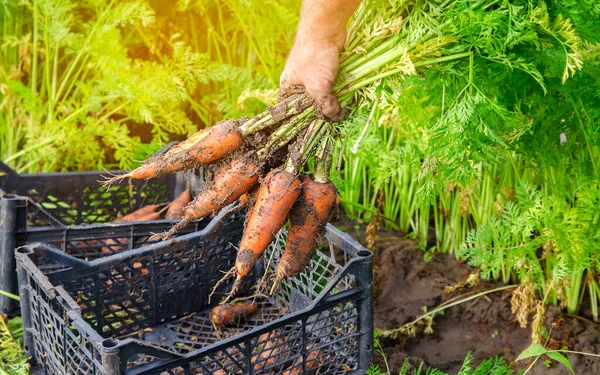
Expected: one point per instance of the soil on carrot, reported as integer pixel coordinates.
(484, 326)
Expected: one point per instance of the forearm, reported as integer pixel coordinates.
(325, 20)
(313, 63)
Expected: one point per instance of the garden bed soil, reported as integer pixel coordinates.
(484, 326)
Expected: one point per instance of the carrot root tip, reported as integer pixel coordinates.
(225, 277)
(109, 181)
(245, 259)
(234, 289)
(156, 236)
(276, 284)
(176, 228)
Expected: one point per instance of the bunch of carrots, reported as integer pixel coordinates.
(274, 192)
(260, 159)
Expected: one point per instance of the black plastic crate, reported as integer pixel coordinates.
(33, 206)
(146, 311)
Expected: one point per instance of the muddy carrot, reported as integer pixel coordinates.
(245, 198)
(307, 222)
(189, 142)
(232, 179)
(232, 314)
(221, 139)
(157, 166)
(276, 196)
(224, 138)
(177, 207)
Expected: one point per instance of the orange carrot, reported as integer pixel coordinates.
(232, 314)
(312, 364)
(138, 214)
(269, 352)
(276, 196)
(189, 142)
(223, 138)
(245, 198)
(157, 166)
(308, 219)
(217, 142)
(232, 179)
(177, 207)
(138, 265)
(150, 217)
(141, 215)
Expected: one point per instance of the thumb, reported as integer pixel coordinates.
(288, 87)
(327, 106)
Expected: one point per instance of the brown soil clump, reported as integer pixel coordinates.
(484, 326)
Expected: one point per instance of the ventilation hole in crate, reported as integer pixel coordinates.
(109, 343)
(25, 250)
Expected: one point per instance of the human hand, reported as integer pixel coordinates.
(312, 67)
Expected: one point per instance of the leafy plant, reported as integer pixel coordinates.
(73, 97)
(12, 358)
(537, 351)
(491, 366)
(510, 116)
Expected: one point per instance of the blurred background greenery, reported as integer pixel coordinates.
(90, 84)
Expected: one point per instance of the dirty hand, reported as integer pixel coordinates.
(313, 64)
(313, 67)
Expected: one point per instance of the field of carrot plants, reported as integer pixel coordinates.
(468, 160)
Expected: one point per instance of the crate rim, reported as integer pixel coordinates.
(111, 346)
(8, 171)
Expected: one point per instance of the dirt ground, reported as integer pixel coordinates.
(484, 326)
